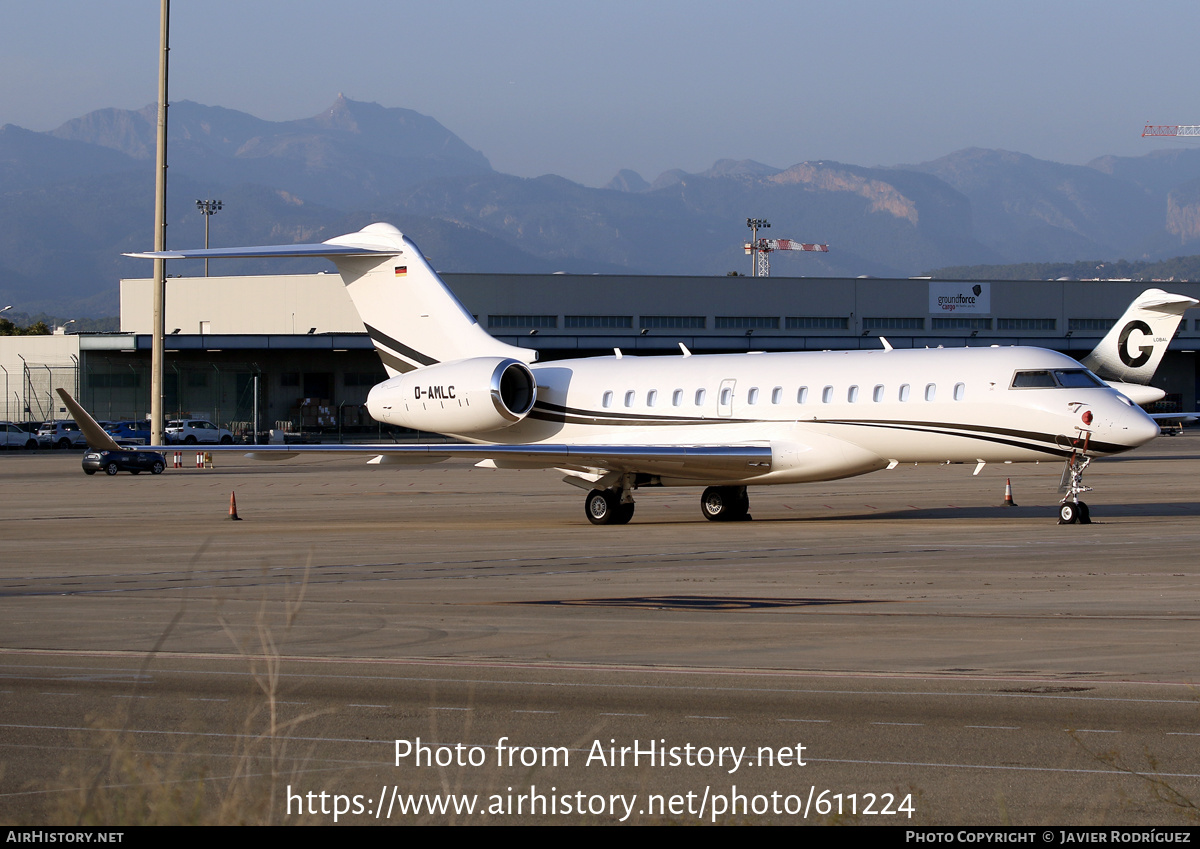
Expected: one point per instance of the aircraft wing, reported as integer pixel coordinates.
(98, 439)
(727, 461)
(711, 461)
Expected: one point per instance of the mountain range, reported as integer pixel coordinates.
(73, 199)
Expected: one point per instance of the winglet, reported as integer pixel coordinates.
(97, 437)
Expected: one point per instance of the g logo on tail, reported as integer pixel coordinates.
(1123, 346)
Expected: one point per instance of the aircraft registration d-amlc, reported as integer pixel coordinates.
(725, 422)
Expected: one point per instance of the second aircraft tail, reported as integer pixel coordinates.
(1133, 348)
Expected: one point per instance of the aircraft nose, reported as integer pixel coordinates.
(1133, 427)
(1145, 429)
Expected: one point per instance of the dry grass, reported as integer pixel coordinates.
(132, 786)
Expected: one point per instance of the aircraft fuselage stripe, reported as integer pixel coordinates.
(1047, 443)
(381, 339)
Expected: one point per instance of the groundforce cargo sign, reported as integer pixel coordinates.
(951, 297)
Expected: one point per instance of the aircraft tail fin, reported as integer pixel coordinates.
(413, 319)
(98, 438)
(1133, 348)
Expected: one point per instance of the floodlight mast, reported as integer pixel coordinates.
(207, 208)
(754, 224)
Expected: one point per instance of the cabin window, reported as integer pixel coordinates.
(802, 395)
(777, 395)
(852, 395)
(960, 391)
(930, 391)
(726, 397)
(827, 395)
(700, 397)
(752, 398)
(904, 388)
(677, 397)
(877, 395)
(606, 401)
(629, 398)
(651, 397)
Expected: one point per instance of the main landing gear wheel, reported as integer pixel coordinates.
(604, 507)
(1071, 513)
(725, 504)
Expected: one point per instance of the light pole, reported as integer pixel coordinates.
(158, 345)
(207, 208)
(754, 224)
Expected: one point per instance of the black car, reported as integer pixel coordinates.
(111, 462)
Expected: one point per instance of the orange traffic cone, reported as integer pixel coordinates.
(1008, 501)
(233, 508)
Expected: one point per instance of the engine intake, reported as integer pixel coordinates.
(478, 395)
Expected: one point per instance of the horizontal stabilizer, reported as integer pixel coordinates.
(374, 240)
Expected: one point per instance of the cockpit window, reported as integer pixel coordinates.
(1076, 378)
(1033, 380)
(1068, 378)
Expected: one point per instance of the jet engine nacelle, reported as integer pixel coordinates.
(476, 395)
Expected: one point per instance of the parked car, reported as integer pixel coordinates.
(192, 431)
(130, 433)
(133, 461)
(61, 434)
(14, 436)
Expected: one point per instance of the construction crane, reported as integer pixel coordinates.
(1175, 130)
(761, 250)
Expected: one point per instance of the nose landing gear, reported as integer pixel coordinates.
(1071, 510)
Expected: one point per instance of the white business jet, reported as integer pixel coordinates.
(616, 424)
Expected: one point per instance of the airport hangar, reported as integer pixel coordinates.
(301, 336)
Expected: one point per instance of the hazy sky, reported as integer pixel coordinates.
(582, 89)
